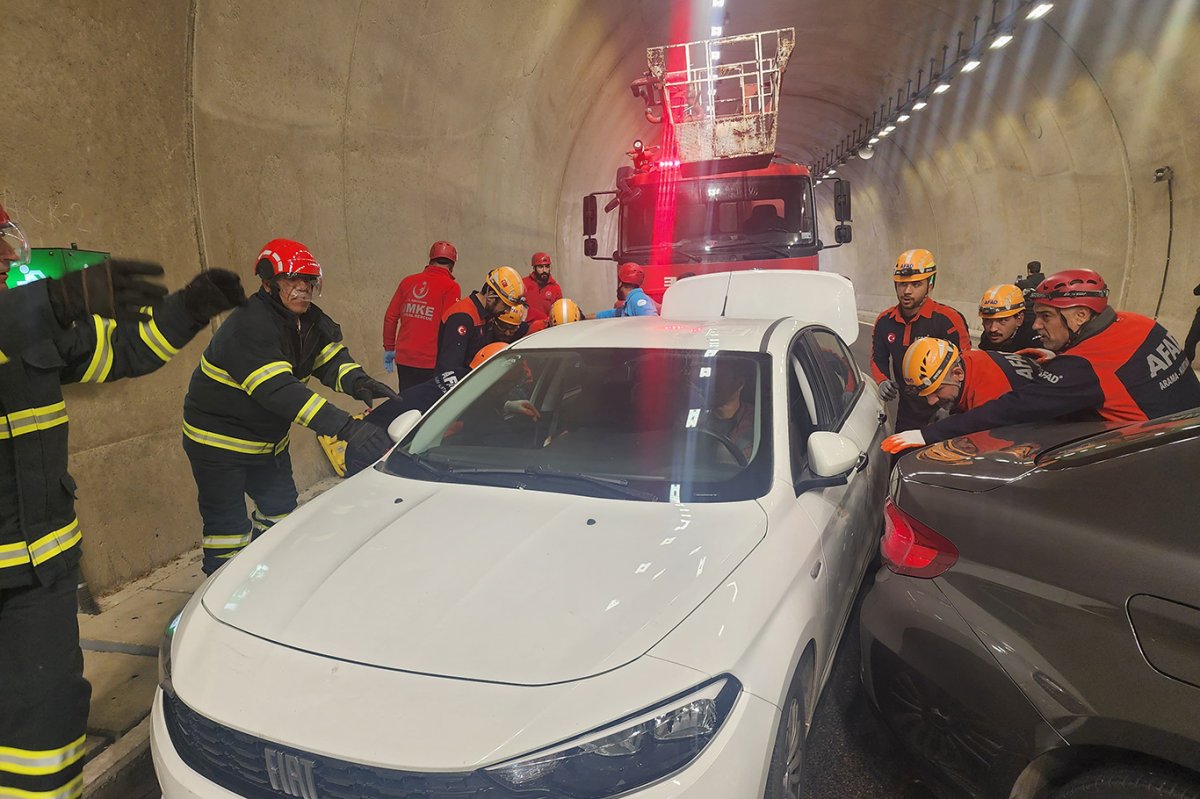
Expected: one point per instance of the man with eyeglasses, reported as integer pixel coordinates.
(250, 388)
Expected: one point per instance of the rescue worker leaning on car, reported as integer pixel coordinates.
(956, 380)
(250, 388)
(1100, 363)
(96, 326)
(464, 328)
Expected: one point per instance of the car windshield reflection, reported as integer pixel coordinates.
(638, 424)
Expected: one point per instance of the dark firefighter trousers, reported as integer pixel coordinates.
(223, 481)
(43, 695)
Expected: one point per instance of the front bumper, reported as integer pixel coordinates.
(735, 763)
(942, 692)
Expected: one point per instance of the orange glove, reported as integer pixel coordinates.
(902, 441)
(1039, 354)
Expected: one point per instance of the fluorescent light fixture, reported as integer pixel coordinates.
(919, 104)
(903, 118)
(818, 183)
(971, 65)
(831, 172)
(716, 30)
(884, 133)
(1039, 11)
(873, 140)
(1000, 41)
(718, 3)
(716, 55)
(942, 87)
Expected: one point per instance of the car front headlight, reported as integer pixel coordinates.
(639, 749)
(164, 653)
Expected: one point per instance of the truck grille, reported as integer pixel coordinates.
(260, 769)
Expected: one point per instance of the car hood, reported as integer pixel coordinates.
(991, 458)
(481, 583)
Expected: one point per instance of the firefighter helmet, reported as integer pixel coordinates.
(11, 234)
(487, 351)
(505, 281)
(564, 311)
(540, 259)
(286, 258)
(1001, 301)
(1073, 288)
(914, 265)
(926, 364)
(513, 316)
(443, 249)
(631, 273)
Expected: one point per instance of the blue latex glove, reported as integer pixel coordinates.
(389, 360)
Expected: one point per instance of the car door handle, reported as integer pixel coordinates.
(816, 569)
(881, 418)
(862, 462)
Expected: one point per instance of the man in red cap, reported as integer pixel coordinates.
(541, 289)
(410, 326)
(1099, 363)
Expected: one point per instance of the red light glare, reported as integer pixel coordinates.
(911, 548)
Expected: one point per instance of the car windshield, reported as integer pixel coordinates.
(642, 424)
(725, 219)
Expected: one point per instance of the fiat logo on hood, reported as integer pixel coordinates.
(290, 775)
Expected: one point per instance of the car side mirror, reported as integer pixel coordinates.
(842, 234)
(590, 247)
(403, 424)
(831, 454)
(589, 215)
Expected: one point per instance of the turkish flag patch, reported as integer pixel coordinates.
(462, 331)
(891, 338)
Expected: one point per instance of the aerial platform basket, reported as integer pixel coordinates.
(721, 96)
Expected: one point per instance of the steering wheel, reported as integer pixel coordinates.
(728, 443)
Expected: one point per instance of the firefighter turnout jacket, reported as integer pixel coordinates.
(412, 320)
(1123, 368)
(250, 385)
(890, 339)
(462, 333)
(539, 297)
(39, 533)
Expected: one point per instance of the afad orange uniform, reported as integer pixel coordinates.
(1127, 368)
(890, 338)
(990, 375)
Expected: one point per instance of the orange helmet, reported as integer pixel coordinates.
(487, 351)
(564, 311)
(1001, 301)
(914, 265)
(540, 259)
(926, 364)
(513, 316)
(505, 281)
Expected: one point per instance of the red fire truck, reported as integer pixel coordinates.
(713, 196)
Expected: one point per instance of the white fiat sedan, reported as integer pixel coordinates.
(616, 560)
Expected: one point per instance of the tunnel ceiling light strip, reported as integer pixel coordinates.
(931, 79)
(718, 3)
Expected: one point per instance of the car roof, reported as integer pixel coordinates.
(653, 332)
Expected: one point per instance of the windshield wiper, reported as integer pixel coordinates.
(673, 246)
(761, 245)
(615, 484)
(419, 461)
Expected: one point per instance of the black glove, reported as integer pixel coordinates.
(888, 390)
(368, 388)
(112, 289)
(212, 292)
(365, 444)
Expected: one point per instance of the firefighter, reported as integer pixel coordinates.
(410, 325)
(953, 380)
(95, 326)
(915, 314)
(250, 388)
(1006, 326)
(1109, 365)
(464, 325)
(541, 289)
(508, 326)
(632, 301)
(562, 312)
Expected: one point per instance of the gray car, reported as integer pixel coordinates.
(1035, 631)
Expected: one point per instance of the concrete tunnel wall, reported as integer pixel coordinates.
(193, 132)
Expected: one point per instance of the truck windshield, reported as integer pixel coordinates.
(726, 219)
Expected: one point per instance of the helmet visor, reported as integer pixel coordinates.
(14, 245)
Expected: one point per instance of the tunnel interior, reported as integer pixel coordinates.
(191, 133)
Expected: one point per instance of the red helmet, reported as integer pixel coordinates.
(540, 259)
(1073, 288)
(286, 257)
(11, 234)
(631, 273)
(443, 249)
(4, 220)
